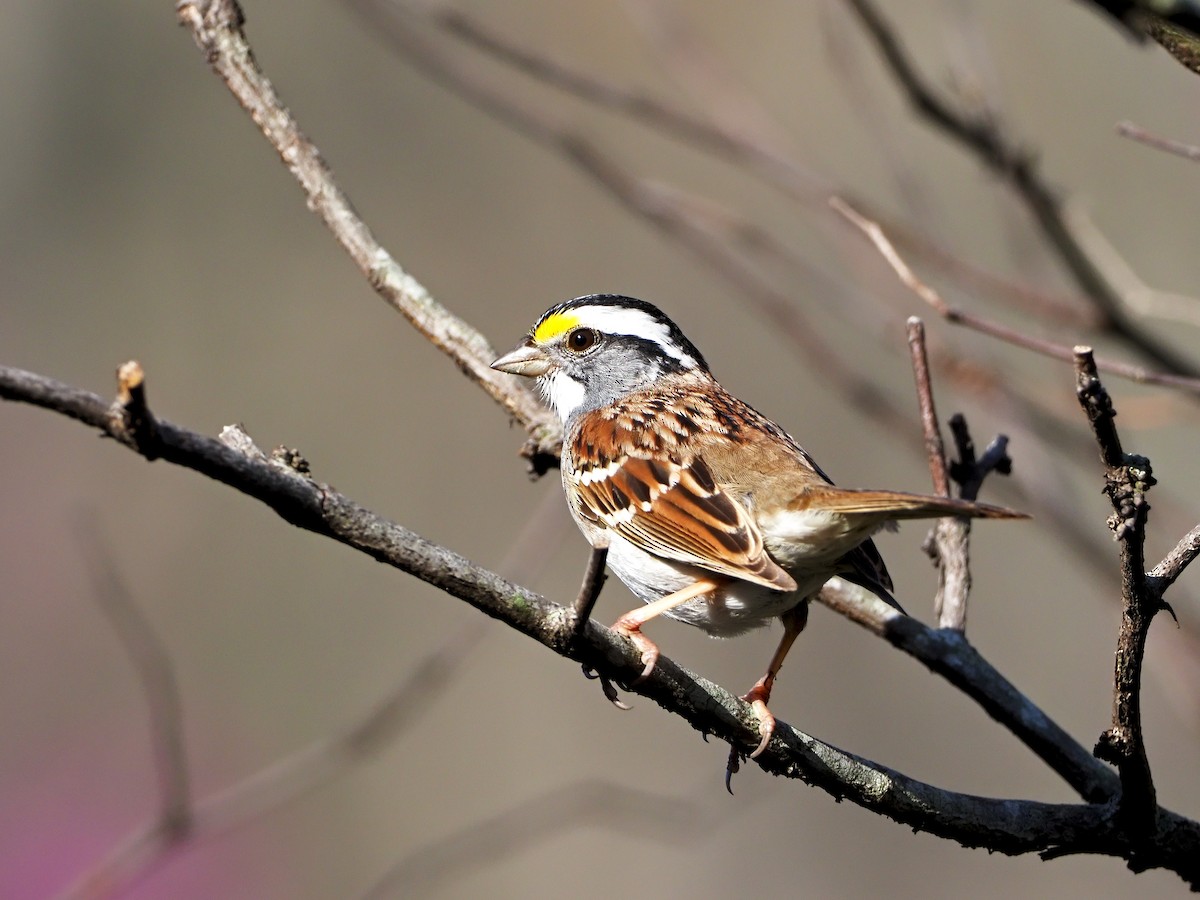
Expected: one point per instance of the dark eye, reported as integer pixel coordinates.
(581, 339)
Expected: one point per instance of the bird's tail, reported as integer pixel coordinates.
(897, 504)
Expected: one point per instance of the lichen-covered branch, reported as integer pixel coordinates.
(1007, 826)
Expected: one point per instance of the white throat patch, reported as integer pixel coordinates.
(562, 392)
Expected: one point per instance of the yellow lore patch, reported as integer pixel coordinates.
(554, 326)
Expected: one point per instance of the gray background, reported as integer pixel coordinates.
(142, 216)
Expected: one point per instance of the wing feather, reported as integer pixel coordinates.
(669, 505)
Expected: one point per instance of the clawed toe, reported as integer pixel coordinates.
(757, 698)
(766, 727)
(649, 661)
(606, 685)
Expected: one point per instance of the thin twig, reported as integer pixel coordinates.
(283, 781)
(935, 450)
(1127, 479)
(1164, 574)
(1142, 135)
(588, 803)
(216, 26)
(958, 316)
(983, 137)
(947, 544)
(156, 674)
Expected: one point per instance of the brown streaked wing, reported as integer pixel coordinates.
(676, 511)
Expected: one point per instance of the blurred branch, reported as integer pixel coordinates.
(982, 135)
(283, 781)
(958, 316)
(588, 803)
(1181, 43)
(665, 208)
(156, 673)
(757, 155)
(1159, 142)
(216, 26)
(1009, 826)
(1139, 296)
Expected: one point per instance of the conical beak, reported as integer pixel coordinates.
(526, 360)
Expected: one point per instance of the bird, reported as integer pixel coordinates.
(711, 514)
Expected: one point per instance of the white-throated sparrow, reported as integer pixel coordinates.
(711, 513)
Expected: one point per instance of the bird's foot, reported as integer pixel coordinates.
(629, 627)
(757, 697)
(606, 685)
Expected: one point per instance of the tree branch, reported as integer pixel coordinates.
(156, 674)
(1008, 826)
(278, 783)
(1164, 574)
(1127, 479)
(216, 26)
(875, 234)
(982, 136)
(947, 544)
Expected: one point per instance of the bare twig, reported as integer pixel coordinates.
(934, 448)
(1008, 826)
(970, 471)
(958, 316)
(590, 803)
(1127, 479)
(283, 781)
(152, 662)
(1142, 135)
(1049, 306)
(216, 26)
(983, 137)
(759, 157)
(1164, 574)
(947, 544)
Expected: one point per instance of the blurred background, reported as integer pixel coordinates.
(143, 216)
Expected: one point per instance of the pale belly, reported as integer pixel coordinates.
(733, 608)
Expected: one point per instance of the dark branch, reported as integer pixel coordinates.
(982, 136)
(1008, 826)
(1127, 479)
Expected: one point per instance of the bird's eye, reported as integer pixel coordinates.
(581, 339)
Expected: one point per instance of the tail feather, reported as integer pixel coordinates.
(897, 504)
